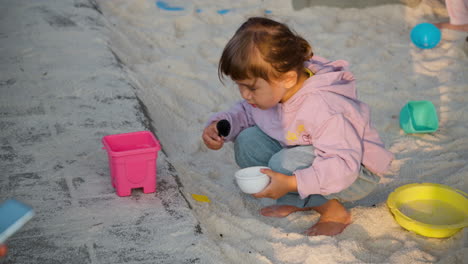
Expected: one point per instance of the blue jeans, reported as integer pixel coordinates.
(255, 148)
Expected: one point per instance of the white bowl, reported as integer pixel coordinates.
(251, 180)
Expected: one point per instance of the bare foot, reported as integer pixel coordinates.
(3, 250)
(281, 210)
(447, 25)
(333, 220)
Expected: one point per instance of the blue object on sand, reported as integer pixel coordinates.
(165, 6)
(223, 11)
(13, 215)
(268, 11)
(425, 35)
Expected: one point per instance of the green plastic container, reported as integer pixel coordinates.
(419, 117)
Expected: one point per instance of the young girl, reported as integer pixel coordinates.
(301, 118)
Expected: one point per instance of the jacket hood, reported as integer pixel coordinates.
(329, 76)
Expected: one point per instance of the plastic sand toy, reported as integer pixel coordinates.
(429, 209)
(419, 117)
(132, 161)
(166, 6)
(201, 198)
(224, 127)
(13, 215)
(425, 36)
(251, 180)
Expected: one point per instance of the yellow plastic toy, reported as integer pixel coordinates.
(201, 198)
(429, 209)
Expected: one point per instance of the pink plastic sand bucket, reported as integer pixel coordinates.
(132, 161)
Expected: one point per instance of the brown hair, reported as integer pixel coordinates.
(263, 48)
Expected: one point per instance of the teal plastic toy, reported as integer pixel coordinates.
(419, 117)
(425, 35)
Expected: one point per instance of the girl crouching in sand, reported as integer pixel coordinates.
(301, 118)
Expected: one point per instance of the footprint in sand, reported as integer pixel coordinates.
(384, 245)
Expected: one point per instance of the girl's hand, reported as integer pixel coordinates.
(280, 185)
(211, 138)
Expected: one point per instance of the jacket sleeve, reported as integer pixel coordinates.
(338, 154)
(239, 117)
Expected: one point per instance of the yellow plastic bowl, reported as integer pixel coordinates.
(429, 209)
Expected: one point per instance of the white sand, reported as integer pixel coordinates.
(172, 60)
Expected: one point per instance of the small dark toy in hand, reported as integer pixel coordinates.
(223, 127)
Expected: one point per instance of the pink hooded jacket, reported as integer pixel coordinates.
(324, 113)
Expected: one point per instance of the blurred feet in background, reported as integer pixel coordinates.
(458, 14)
(3, 250)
